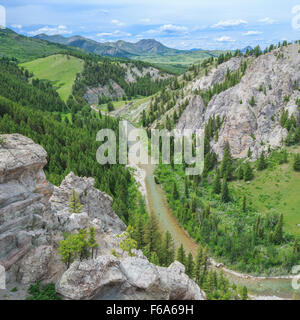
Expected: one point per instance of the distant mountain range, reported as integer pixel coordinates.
(121, 49)
(247, 48)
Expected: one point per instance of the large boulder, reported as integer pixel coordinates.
(130, 278)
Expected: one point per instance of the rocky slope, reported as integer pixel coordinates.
(273, 80)
(114, 91)
(34, 215)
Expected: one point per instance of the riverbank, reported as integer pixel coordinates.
(265, 288)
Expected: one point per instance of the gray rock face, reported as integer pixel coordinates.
(245, 126)
(24, 196)
(41, 263)
(132, 73)
(216, 75)
(128, 279)
(96, 205)
(114, 92)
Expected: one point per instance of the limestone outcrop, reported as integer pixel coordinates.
(273, 80)
(24, 197)
(128, 278)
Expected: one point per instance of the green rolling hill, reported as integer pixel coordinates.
(14, 45)
(60, 69)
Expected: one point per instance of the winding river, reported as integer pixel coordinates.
(157, 203)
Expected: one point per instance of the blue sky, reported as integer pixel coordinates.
(185, 24)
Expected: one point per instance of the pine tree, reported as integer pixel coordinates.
(154, 259)
(181, 256)
(240, 173)
(92, 243)
(198, 265)
(296, 164)
(207, 211)
(277, 237)
(127, 243)
(262, 162)
(168, 251)
(186, 187)
(248, 172)
(83, 244)
(175, 192)
(152, 237)
(74, 203)
(68, 249)
(297, 135)
(225, 192)
(226, 166)
(193, 205)
(139, 232)
(217, 183)
(190, 266)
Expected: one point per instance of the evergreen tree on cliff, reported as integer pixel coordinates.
(226, 166)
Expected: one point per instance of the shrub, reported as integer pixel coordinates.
(42, 292)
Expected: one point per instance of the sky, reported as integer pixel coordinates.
(185, 24)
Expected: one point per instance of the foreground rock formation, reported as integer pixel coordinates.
(34, 215)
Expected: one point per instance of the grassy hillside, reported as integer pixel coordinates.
(178, 63)
(25, 48)
(276, 189)
(60, 69)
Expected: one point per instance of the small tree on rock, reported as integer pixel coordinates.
(128, 243)
(74, 203)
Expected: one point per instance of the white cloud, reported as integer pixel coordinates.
(267, 21)
(252, 33)
(117, 22)
(16, 26)
(169, 29)
(115, 34)
(61, 29)
(229, 23)
(225, 39)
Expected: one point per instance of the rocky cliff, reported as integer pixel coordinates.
(34, 215)
(272, 80)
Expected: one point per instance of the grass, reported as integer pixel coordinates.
(276, 189)
(60, 69)
(117, 105)
(179, 63)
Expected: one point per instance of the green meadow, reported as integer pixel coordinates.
(276, 189)
(60, 69)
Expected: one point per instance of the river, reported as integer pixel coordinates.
(156, 202)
